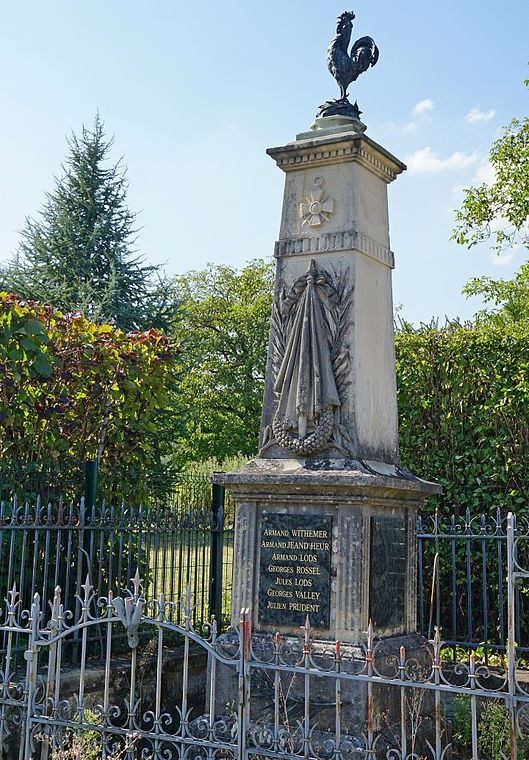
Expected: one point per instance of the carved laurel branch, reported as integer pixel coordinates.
(337, 319)
(340, 357)
(278, 331)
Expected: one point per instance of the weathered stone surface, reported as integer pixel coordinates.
(335, 222)
(325, 126)
(387, 576)
(342, 477)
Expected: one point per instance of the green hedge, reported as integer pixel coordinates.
(463, 394)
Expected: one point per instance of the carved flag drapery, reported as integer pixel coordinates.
(305, 382)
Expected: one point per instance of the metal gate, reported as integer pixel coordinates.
(47, 710)
(242, 694)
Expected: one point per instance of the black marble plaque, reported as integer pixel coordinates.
(388, 571)
(295, 569)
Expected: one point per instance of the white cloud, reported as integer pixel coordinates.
(477, 115)
(409, 127)
(423, 107)
(427, 161)
(498, 223)
(484, 174)
(502, 259)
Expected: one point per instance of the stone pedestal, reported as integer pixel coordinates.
(336, 545)
(325, 517)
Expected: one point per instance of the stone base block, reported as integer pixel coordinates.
(330, 540)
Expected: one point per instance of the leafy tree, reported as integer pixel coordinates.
(509, 299)
(463, 399)
(501, 210)
(73, 390)
(222, 330)
(79, 254)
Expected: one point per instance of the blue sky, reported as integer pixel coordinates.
(195, 92)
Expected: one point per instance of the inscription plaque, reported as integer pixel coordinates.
(388, 571)
(295, 569)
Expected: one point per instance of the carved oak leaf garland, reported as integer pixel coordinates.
(310, 362)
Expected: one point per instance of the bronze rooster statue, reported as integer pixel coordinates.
(346, 67)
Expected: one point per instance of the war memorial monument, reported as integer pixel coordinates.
(325, 515)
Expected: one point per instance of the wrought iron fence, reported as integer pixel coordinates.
(48, 481)
(45, 543)
(265, 696)
(185, 545)
(462, 569)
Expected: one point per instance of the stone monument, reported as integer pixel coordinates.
(325, 515)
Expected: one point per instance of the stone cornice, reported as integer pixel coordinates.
(335, 241)
(338, 149)
(354, 482)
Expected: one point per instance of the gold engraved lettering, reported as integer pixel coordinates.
(295, 565)
(280, 569)
(302, 570)
(284, 581)
(308, 558)
(307, 582)
(302, 607)
(274, 544)
(279, 592)
(307, 594)
(298, 545)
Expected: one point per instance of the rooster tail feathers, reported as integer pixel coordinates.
(365, 42)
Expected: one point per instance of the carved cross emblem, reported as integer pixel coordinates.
(317, 207)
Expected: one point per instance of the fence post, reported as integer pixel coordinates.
(83, 549)
(90, 484)
(215, 552)
(87, 507)
(30, 655)
(511, 637)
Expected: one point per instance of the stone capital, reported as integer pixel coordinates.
(337, 149)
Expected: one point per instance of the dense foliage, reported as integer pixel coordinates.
(222, 328)
(73, 390)
(79, 253)
(463, 394)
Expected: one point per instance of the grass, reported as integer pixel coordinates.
(174, 568)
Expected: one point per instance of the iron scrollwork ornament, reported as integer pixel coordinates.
(310, 362)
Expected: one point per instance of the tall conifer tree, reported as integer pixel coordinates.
(79, 252)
